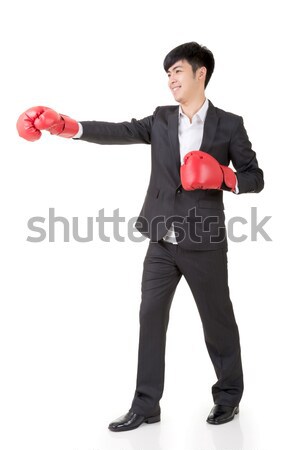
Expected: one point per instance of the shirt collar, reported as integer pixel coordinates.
(200, 114)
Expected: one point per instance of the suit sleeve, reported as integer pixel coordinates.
(120, 133)
(250, 176)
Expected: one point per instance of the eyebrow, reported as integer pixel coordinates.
(174, 68)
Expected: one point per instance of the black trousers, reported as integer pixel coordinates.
(206, 274)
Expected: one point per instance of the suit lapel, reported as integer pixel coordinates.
(210, 127)
(173, 133)
(209, 130)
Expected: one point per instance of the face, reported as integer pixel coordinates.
(183, 83)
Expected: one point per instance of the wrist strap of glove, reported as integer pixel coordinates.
(229, 177)
(70, 128)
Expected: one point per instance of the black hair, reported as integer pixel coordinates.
(196, 55)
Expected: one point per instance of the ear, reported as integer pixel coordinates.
(202, 72)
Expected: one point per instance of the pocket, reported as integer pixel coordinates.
(153, 192)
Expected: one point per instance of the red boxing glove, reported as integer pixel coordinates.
(39, 118)
(202, 171)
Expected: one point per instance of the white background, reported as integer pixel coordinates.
(69, 311)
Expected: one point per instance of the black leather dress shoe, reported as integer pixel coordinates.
(221, 414)
(131, 420)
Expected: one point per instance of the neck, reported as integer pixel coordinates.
(191, 107)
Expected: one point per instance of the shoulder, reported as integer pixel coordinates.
(164, 112)
(221, 113)
(227, 119)
(166, 109)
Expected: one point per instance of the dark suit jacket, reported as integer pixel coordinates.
(198, 215)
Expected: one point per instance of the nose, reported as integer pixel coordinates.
(171, 79)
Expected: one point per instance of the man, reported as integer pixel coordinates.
(192, 145)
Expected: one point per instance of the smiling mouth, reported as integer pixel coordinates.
(176, 88)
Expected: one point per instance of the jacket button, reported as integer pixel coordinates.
(178, 191)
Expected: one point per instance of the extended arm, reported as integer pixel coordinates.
(133, 132)
(37, 118)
